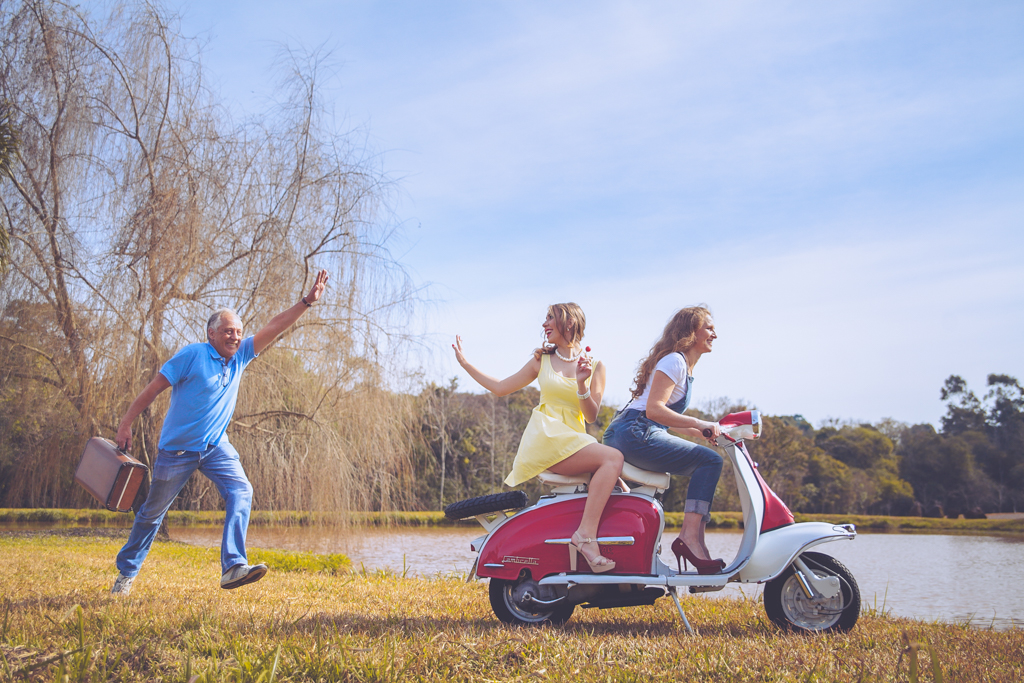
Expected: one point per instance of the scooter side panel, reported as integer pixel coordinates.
(520, 543)
(776, 549)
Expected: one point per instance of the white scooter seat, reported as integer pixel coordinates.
(658, 480)
(551, 479)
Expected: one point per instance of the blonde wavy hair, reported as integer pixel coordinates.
(570, 323)
(679, 335)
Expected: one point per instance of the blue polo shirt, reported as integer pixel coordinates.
(204, 388)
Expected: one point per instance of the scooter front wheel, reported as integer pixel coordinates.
(789, 607)
(512, 602)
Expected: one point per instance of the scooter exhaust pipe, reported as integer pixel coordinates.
(530, 599)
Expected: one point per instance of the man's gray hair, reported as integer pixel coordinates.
(214, 323)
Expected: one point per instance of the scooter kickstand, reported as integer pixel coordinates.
(686, 622)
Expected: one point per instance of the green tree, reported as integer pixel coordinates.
(992, 430)
(942, 469)
(1005, 418)
(872, 459)
(466, 443)
(964, 412)
(829, 485)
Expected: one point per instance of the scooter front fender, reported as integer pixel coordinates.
(776, 549)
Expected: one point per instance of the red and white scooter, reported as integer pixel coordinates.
(525, 552)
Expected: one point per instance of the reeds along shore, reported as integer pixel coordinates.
(58, 622)
(719, 520)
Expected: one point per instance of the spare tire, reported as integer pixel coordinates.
(482, 505)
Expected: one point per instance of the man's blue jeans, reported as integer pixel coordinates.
(173, 468)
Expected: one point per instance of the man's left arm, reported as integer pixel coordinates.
(282, 321)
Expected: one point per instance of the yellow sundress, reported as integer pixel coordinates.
(556, 429)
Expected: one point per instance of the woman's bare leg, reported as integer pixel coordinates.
(703, 525)
(604, 464)
(692, 534)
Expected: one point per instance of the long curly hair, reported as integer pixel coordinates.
(679, 335)
(570, 323)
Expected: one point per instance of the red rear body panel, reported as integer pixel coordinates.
(520, 543)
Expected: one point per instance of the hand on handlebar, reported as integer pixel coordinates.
(711, 431)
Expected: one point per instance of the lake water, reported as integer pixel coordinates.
(953, 578)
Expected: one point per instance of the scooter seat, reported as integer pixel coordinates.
(658, 480)
(551, 479)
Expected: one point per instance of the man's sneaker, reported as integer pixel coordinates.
(241, 574)
(123, 585)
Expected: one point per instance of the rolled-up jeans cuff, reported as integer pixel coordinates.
(701, 507)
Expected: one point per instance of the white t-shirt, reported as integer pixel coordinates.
(674, 367)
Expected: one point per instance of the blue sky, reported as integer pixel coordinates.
(843, 183)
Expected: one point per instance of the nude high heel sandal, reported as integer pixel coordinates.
(599, 565)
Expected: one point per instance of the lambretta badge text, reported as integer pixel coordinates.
(510, 559)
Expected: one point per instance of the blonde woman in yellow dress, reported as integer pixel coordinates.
(571, 387)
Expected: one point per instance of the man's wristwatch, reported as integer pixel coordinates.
(308, 305)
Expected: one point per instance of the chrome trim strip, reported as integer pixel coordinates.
(602, 540)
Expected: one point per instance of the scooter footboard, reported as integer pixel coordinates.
(776, 549)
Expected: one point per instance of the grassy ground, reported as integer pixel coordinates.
(719, 520)
(313, 622)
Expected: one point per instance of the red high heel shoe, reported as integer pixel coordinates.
(683, 553)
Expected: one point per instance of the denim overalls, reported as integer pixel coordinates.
(648, 445)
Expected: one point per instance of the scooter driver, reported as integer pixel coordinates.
(641, 431)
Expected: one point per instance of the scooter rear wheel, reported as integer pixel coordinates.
(788, 606)
(509, 605)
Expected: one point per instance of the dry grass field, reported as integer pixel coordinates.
(318, 621)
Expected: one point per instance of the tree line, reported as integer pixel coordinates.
(132, 204)
(974, 464)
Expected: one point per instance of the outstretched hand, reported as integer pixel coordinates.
(457, 346)
(318, 287)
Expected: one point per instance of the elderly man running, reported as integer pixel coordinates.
(204, 380)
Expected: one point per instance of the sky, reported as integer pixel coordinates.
(841, 183)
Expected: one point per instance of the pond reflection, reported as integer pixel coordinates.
(962, 579)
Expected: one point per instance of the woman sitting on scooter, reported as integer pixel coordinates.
(661, 393)
(571, 386)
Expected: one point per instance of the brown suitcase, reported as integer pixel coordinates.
(112, 476)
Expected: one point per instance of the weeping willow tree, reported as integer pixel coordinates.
(7, 151)
(135, 206)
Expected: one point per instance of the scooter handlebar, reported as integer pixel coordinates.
(738, 426)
